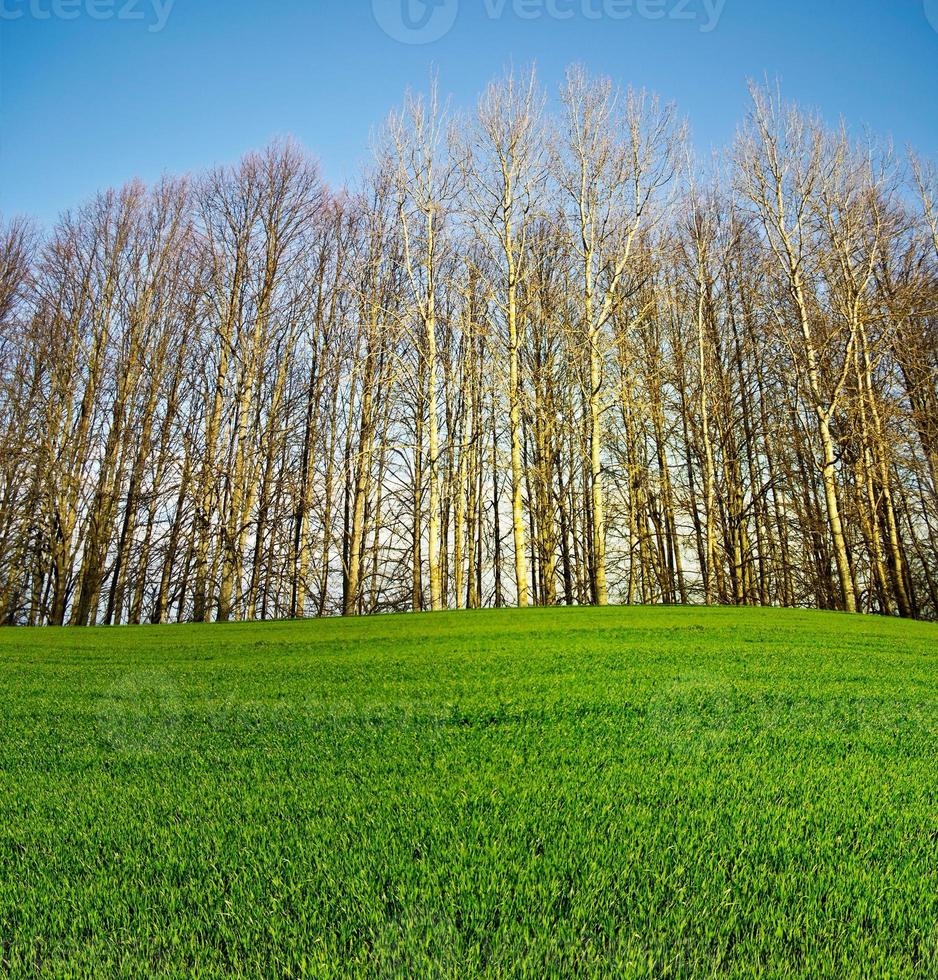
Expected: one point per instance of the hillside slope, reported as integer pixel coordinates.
(644, 792)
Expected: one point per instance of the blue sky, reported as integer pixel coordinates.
(90, 99)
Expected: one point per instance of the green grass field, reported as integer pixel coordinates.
(628, 792)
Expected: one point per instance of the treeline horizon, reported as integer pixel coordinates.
(533, 358)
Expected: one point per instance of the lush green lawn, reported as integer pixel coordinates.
(635, 792)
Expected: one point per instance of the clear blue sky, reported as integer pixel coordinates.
(90, 99)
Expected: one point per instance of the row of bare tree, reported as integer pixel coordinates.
(534, 358)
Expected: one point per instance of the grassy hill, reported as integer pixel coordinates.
(637, 792)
